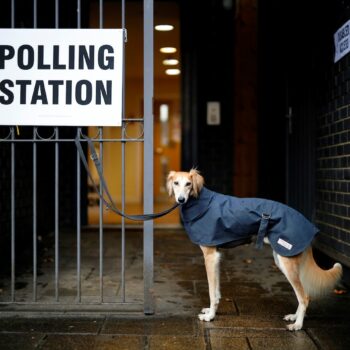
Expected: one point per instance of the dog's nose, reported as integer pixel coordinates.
(181, 200)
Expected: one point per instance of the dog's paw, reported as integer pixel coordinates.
(294, 327)
(291, 317)
(205, 310)
(207, 314)
(207, 317)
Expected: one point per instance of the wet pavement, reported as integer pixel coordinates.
(255, 297)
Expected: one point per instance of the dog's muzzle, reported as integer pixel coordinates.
(181, 200)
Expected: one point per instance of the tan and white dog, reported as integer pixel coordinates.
(305, 276)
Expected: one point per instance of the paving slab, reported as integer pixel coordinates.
(259, 338)
(334, 338)
(266, 306)
(176, 342)
(278, 343)
(239, 332)
(332, 304)
(52, 325)
(152, 326)
(22, 341)
(87, 342)
(234, 288)
(220, 343)
(245, 321)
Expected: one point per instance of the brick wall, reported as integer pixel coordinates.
(333, 143)
(305, 78)
(333, 160)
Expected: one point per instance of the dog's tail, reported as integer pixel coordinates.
(316, 281)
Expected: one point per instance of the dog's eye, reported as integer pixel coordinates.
(188, 184)
(176, 183)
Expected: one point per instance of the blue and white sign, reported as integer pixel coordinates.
(61, 77)
(342, 41)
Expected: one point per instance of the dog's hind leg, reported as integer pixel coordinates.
(291, 269)
(217, 274)
(212, 261)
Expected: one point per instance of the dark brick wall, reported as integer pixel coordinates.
(333, 141)
(333, 160)
(308, 167)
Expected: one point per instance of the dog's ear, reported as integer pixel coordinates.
(169, 182)
(197, 182)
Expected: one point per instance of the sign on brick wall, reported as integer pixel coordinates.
(70, 77)
(341, 41)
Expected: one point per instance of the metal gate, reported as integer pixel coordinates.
(57, 138)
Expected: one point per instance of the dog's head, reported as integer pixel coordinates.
(182, 185)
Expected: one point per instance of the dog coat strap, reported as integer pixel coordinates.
(262, 230)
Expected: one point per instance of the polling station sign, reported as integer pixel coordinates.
(61, 77)
(341, 41)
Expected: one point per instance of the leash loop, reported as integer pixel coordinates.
(109, 204)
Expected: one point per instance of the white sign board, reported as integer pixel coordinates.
(341, 41)
(61, 77)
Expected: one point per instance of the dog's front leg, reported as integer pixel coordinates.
(212, 260)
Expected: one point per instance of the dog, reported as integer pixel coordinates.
(213, 220)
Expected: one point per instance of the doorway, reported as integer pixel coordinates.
(166, 110)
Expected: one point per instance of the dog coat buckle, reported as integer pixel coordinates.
(262, 230)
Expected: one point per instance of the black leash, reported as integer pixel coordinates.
(110, 205)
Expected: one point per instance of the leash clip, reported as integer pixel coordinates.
(93, 157)
(265, 216)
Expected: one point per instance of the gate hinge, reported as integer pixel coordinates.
(125, 35)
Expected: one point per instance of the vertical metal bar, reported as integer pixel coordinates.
(101, 220)
(35, 234)
(57, 257)
(12, 187)
(78, 192)
(78, 14)
(123, 165)
(148, 153)
(35, 14)
(101, 188)
(12, 13)
(57, 14)
(101, 14)
(123, 220)
(78, 226)
(13, 227)
(57, 234)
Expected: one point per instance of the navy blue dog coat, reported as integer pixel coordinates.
(214, 219)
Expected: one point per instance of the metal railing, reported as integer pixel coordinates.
(146, 137)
